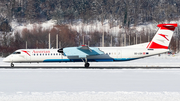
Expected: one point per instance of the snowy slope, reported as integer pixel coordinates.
(17, 27)
(80, 27)
(98, 26)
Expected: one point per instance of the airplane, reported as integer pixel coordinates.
(159, 44)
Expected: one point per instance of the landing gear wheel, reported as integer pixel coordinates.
(12, 65)
(86, 65)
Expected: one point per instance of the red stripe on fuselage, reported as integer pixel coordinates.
(26, 52)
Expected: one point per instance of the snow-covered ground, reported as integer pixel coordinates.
(89, 85)
(93, 84)
(93, 96)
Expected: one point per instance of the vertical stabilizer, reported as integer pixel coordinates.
(163, 36)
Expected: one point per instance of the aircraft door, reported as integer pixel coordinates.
(119, 54)
(61, 57)
(11, 58)
(64, 58)
(28, 57)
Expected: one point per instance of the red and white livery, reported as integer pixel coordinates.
(163, 36)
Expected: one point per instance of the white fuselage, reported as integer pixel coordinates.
(110, 54)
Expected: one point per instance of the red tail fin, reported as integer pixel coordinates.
(163, 36)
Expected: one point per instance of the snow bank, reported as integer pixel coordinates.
(84, 27)
(92, 96)
(150, 26)
(17, 27)
(115, 29)
(96, 26)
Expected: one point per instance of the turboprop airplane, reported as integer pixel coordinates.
(159, 44)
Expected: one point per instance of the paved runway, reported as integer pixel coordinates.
(81, 67)
(82, 80)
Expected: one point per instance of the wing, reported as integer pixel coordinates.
(82, 51)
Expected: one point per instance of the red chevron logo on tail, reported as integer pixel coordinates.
(164, 36)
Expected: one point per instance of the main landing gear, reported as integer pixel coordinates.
(86, 63)
(12, 65)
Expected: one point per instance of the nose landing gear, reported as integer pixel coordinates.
(12, 65)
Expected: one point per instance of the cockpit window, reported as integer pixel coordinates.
(17, 53)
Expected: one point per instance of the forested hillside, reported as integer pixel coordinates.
(121, 13)
(126, 11)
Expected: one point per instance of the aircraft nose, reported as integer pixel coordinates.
(6, 60)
